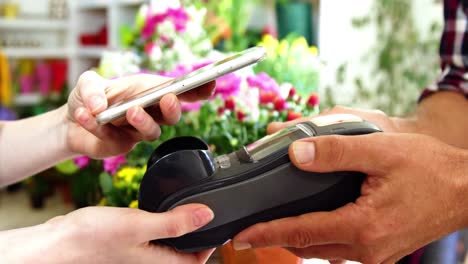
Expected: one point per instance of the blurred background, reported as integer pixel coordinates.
(367, 54)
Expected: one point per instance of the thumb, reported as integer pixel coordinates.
(91, 89)
(174, 223)
(368, 153)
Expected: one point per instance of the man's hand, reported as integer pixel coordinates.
(93, 94)
(377, 117)
(415, 192)
(106, 235)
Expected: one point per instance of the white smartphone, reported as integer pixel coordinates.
(183, 84)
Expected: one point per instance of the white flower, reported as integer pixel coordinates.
(119, 63)
(197, 16)
(184, 52)
(250, 102)
(167, 29)
(284, 90)
(161, 6)
(156, 53)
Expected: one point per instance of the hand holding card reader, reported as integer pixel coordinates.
(255, 184)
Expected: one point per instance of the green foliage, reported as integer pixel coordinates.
(236, 13)
(122, 188)
(224, 133)
(291, 60)
(84, 185)
(403, 61)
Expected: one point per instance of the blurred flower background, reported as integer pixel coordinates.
(173, 38)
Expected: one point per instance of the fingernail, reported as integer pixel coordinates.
(137, 115)
(241, 245)
(304, 152)
(96, 103)
(202, 216)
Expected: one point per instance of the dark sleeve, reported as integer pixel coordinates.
(453, 50)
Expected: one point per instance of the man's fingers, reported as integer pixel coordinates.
(277, 126)
(177, 222)
(369, 115)
(203, 92)
(301, 231)
(344, 153)
(91, 88)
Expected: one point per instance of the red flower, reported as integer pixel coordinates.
(292, 92)
(313, 100)
(267, 97)
(293, 115)
(269, 30)
(230, 104)
(280, 104)
(241, 116)
(221, 110)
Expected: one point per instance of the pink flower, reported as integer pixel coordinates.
(201, 65)
(228, 85)
(191, 107)
(179, 70)
(111, 165)
(178, 16)
(150, 27)
(82, 161)
(263, 82)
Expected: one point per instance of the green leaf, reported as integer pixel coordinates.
(105, 180)
(67, 167)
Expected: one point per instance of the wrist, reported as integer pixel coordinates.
(62, 127)
(406, 124)
(37, 244)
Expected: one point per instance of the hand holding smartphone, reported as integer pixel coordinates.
(184, 83)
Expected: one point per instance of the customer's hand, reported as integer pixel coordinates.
(415, 192)
(93, 94)
(106, 235)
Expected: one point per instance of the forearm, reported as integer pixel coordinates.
(31, 145)
(443, 115)
(36, 244)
